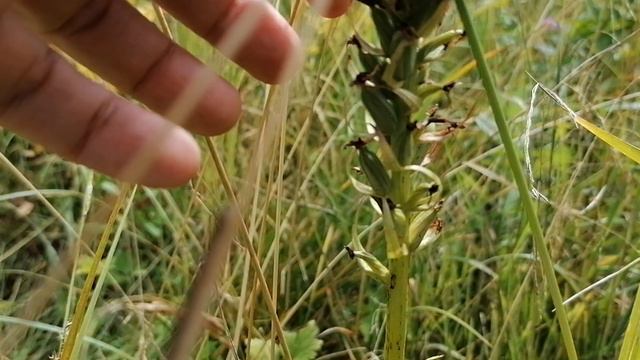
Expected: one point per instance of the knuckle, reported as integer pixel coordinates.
(99, 119)
(214, 29)
(155, 66)
(84, 17)
(31, 81)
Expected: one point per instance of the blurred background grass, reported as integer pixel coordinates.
(477, 292)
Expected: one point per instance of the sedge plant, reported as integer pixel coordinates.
(396, 91)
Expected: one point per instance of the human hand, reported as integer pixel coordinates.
(43, 98)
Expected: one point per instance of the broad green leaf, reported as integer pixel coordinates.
(260, 349)
(303, 344)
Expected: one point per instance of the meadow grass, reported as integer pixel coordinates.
(478, 293)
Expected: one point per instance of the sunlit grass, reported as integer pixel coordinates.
(481, 282)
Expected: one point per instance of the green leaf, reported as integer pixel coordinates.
(384, 27)
(260, 349)
(370, 264)
(381, 108)
(303, 344)
(375, 171)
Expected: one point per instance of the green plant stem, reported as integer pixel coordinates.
(397, 308)
(521, 182)
(398, 288)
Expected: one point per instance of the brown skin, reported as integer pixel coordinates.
(43, 98)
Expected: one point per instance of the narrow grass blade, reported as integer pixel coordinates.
(629, 150)
(4, 161)
(4, 319)
(70, 341)
(104, 272)
(453, 317)
(467, 68)
(519, 177)
(631, 344)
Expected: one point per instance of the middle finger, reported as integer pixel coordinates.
(272, 50)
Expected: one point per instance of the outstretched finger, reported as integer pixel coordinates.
(44, 99)
(270, 51)
(113, 39)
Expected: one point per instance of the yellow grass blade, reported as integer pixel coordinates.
(467, 68)
(629, 150)
(631, 344)
(69, 343)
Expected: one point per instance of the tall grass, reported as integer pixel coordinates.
(519, 177)
(479, 294)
